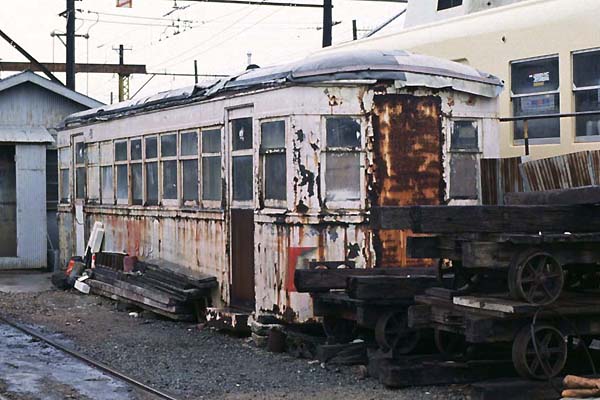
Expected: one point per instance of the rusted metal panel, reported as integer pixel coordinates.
(407, 163)
(242, 258)
(500, 176)
(562, 172)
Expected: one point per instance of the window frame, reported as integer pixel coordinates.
(576, 90)
(79, 139)
(478, 122)
(133, 162)
(61, 168)
(513, 96)
(151, 160)
(116, 164)
(210, 204)
(449, 7)
(92, 156)
(264, 153)
(360, 150)
(162, 201)
(180, 162)
(246, 204)
(104, 164)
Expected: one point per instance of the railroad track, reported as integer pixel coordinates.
(93, 363)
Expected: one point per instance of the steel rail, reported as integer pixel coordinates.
(96, 364)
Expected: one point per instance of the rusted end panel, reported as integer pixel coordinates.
(408, 164)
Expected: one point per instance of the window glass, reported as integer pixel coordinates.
(588, 100)
(136, 184)
(120, 151)
(80, 153)
(106, 153)
(242, 133)
(152, 183)
(342, 176)
(343, 132)
(64, 185)
(586, 69)
(106, 178)
(464, 135)
(136, 149)
(464, 176)
(168, 145)
(65, 157)
(272, 135)
(151, 147)
(189, 168)
(80, 183)
(445, 4)
(275, 176)
(211, 141)
(211, 178)
(122, 182)
(169, 173)
(189, 144)
(242, 178)
(535, 76)
(539, 104)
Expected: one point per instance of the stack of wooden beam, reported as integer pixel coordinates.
(157, 286)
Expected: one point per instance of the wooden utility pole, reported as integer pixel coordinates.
(70, 44)
(354, 30)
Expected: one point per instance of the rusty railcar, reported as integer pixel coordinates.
(253, 176)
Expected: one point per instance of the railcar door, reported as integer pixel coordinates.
(408, 161)
(242, 208)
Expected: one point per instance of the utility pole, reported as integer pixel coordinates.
(196, 72)
(354, 30)
(70, 44)
(123, 78)
(327, 22)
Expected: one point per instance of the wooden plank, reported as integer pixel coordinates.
(138, 290)
(580, 195)
(506, 306)
(320, 280)
(388, 287)
(488, 219)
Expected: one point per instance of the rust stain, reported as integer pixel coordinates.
(408, 164)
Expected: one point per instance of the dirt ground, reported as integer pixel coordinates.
(190, 362)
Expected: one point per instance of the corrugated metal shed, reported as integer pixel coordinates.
(24, 134)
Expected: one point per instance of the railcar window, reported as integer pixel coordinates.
(122, 184)
(168, 145)
(151, 169)
(107, 194)
(211, 165)
(242, 171)
(93, 172)
(586, 88)
(121, 151)
(80, 177)
(445, 4)
(137, 188)
(272, 149)
(188, 155)
(151, 144)
(136, 149)
(64, 160)
(464, 135)
(242, 134)
(169, 180)
(342, 160)
(535, 91)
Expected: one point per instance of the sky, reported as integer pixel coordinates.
(168, 35)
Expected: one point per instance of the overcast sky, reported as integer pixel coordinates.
(217, 35)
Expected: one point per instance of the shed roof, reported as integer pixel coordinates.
(23, 134)
(405, 68)
(29, 76)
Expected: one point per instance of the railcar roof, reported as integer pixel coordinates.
(407, 69)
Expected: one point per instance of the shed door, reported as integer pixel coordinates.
(8, 202)
(408, 160)
(241, 227)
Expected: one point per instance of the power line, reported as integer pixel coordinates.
(136, 16)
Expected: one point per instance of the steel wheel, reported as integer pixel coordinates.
(536, 277)
(339, 330)
(552, 349)
(450, 344)
(393, 334)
